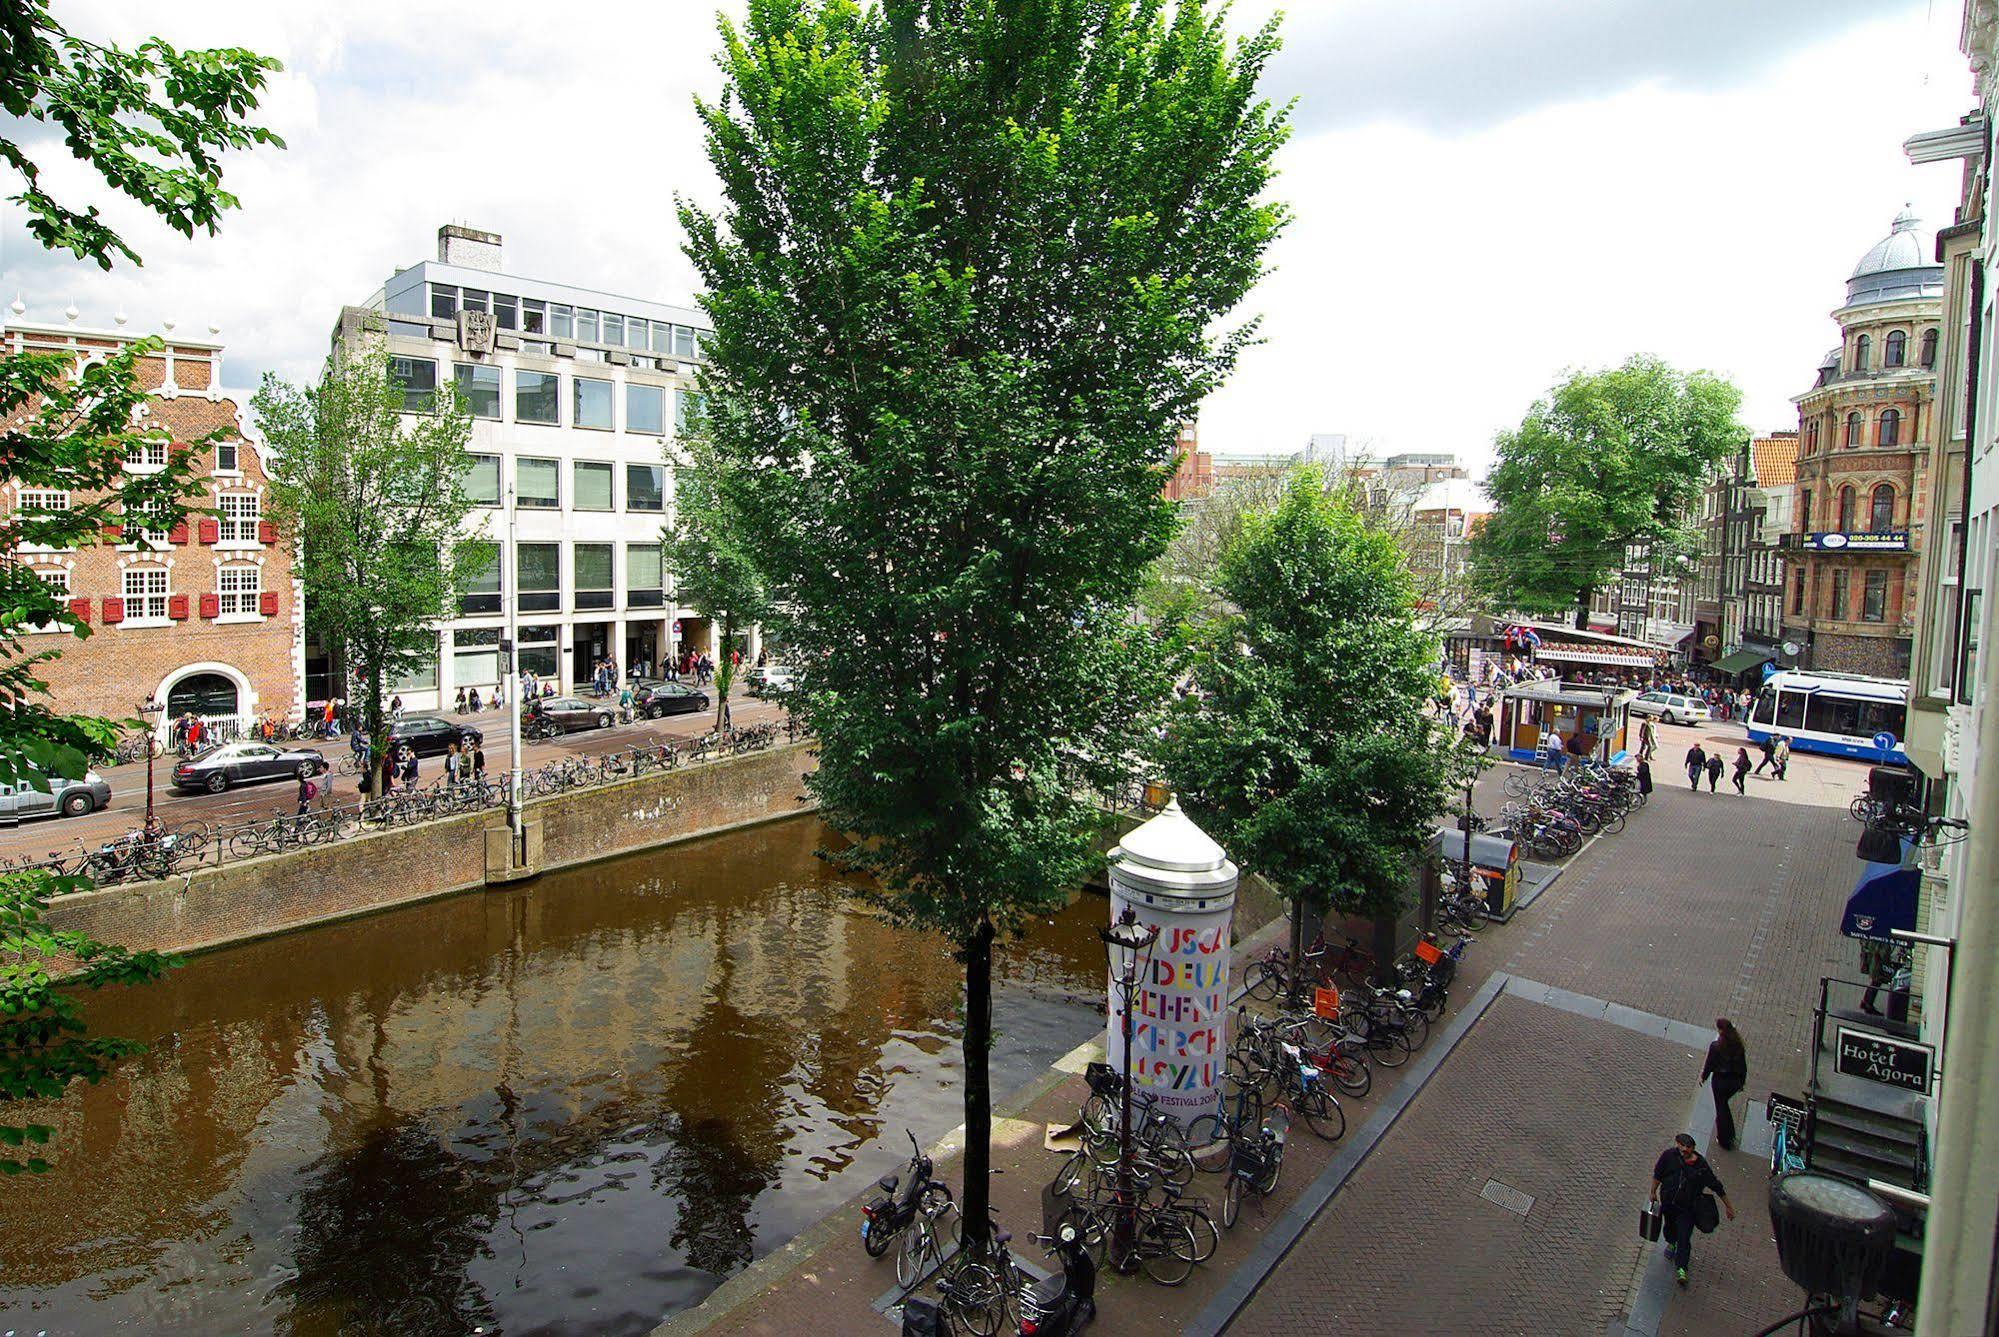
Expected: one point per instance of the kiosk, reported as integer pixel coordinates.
(1528, 709)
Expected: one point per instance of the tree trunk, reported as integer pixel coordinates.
(378, 728)
(725, 676)
(1582, 609)
(1297, 986)
(977, 951)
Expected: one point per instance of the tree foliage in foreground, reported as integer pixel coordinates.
(963, 281)
(712, 571)
(374, 496)
(152, 122)
(1305, 748)
(1608, 459)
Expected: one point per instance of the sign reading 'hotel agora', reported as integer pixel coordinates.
(1880, 1058)
(1847, 542)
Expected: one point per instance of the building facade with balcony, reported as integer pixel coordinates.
(577, 397)
(203, 617)
(1863, 468)
(1772, 498)
(1740, 584)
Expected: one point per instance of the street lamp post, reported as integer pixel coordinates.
(1130, 944)
(511, 667)
(149, 710)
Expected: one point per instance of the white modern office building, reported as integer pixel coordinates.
(575, 396)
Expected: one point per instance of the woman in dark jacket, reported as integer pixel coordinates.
(1741, 769)
(1725, 1072)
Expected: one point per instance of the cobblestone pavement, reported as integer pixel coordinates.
(1707, 905)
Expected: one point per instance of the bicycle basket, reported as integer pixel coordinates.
(1103, 1078)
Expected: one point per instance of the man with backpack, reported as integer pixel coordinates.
(1681, 1182)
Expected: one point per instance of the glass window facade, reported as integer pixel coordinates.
(645, 576)
(418, 378)
(592, 407)
(537, 396)
(593, 486)
(645, 409)
(538, 570)
(482, 589)
(482, 479)
(481, 388)
(539, 483)
(645, 487)
(593, 575)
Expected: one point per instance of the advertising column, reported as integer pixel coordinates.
(1176, 879)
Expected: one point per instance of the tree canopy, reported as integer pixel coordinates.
(965, 283)
(152, 122)
(1305, 746)
(1609, 459)
(374, 495)
(712, 571)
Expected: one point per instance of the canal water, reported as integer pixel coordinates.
(577, 1107)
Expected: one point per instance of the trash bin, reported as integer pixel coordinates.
(1495, 866)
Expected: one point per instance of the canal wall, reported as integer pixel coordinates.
(254, 898)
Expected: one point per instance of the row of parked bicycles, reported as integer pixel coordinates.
(1551, 815)
(169, 850)
(1145, 1214)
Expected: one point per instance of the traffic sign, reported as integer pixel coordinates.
(676, 626)
(1884, 742)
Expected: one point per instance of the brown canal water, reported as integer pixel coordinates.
(577, 1107)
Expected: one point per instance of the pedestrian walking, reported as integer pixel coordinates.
(478, 763)
(1681, 1178)
(1644, 776)
(306, 790)
(1769, 747)
(1741, 769)
(1696, 764)
(1783, 757)
(1648, 739)
(1878, 961)
(1726, 1072)
(1714, 769)
(409, 766)
(452, 762)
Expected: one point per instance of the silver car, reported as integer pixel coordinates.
(71, 798)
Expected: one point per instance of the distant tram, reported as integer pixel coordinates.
(1837, 713)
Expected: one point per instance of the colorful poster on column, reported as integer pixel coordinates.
(1179, 1034)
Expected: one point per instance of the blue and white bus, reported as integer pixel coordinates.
(1838, 713)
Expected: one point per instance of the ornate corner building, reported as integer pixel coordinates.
(1862, 471)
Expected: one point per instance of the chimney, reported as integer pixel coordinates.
(468, 247)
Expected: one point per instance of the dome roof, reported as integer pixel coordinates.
(1900, 266)
(1908, 245)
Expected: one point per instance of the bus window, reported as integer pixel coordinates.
(1765, 712)
(1791, 710)
(1879, 717)
(1834, 715)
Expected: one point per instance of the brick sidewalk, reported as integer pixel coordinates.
(1707, 905)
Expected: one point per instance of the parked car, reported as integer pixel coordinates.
(771, 681)
(245, 763)
(652, 698)
(553, 715)
(1672, 708)
(71, 798)
(430, 736)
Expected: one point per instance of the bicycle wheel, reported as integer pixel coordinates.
(919, 1254)
(1390, 1048)
(1232, 1201)
(1268, 1183)
(1207, 1237)
(974, 1300)
(1210, 1130)
(1350, 1072)
(1166, 1248)
(1263, 980)
(1416, 1026)
(1322, 1114)
(1077, 1172)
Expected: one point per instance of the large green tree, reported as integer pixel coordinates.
(1307, 749)
(966, 280)
(712, 571)
(152, 123)
(1608, 460)
(369, 483)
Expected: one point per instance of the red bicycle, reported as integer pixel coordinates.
(1270, 975)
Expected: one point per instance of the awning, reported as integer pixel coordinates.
(1742, 661)
(1883, 899)
(1576, 654)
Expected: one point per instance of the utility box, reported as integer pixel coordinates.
(1495, 867)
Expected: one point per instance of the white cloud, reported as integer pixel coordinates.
(1436, 280)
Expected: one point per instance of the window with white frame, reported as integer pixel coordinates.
(145, 589)
(44, 500)
(225, 458)
(148, 525)
(238, 512)
(237, 588)
(58, 582)
(147, 455)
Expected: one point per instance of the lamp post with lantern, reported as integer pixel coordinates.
(1130, 945)
(149, 710)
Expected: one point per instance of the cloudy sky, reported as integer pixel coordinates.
(1487, 191)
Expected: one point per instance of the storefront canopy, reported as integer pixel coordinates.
(1883, 899)
(1742, 661)
(1595, 654)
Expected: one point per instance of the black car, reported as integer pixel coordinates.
(245, 763)
(567, 714)
(429, 736)
(653, 698)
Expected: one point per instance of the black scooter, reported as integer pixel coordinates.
(889, 1215)
(1061, 1305)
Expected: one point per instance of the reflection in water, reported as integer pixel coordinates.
(575, 1107)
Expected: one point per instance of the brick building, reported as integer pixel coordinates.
(1863, 465)
(1194, 476)
(204, 617)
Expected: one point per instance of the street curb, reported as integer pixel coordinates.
(1279, 1239)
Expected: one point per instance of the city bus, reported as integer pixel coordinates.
(1838, 713)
